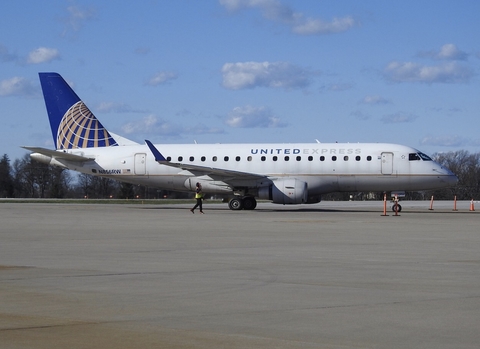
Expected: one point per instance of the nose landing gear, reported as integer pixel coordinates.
(396, 207)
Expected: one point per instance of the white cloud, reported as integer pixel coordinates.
(43, 55)
(450, 51)
(446, 52)
(252, 117)
(275, 11)
(398, 118)
(76, 19)
(161, 78)
(451, 72)
(238, 76)
(375, 99)
(17, 86)
(312, 26)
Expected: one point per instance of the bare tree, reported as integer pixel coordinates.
(38, 180)
(6, 178)
(467, 168)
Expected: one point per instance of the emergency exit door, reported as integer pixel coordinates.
(140, 164)
(387, 163)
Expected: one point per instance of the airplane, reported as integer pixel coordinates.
(283, 173)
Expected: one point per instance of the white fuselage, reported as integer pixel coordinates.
(325, 167)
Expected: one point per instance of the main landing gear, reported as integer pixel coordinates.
(242, 203)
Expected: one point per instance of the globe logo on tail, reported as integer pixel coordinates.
(79, 128)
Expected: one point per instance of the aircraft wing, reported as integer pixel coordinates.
(219, 173)
(59, 154)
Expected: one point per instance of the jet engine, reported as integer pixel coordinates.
(285, 191)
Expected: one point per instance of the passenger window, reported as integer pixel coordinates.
(322, 158)
(192, 158)
(299, 158)
(345, 158)
(180, 158)
(169, 158)
(275, 158)
(237, 158)
(226, 158)
(214, 158)
(310, 158)
(357, 158)
(263, 158)
(369, 158)
(334, 158)
(203, 158)
(249, 158)
(287, 158)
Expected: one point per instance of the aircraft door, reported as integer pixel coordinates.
(140, 164)
(387, 163)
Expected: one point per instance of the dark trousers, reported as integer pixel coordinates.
(198, 204)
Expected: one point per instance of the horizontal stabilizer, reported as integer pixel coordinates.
(59, 154)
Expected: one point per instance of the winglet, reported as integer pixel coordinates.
(158, 156)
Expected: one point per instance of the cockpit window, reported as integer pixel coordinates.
(425, 157)
(413, 157)
(418, 156)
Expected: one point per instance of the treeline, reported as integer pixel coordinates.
(26, 178)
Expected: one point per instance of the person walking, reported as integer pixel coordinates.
(199, 197)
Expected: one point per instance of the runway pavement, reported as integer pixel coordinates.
(330, 275)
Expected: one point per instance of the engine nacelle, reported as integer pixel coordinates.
(289, 191)
(47, 160)
(41, 158)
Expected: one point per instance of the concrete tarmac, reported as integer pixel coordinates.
(330, 275)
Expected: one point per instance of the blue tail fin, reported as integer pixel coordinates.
(73, 124)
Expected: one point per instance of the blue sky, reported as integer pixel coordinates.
(240, 71)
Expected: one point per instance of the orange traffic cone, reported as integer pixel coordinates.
(472, 206)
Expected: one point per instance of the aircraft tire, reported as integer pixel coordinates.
(399, 208)
(236, 204)
(249, 203)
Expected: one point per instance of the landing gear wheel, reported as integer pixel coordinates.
(399, 208)
(249, 203)
(236, 204)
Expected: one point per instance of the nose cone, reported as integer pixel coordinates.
(448, 177)
(450, 180)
